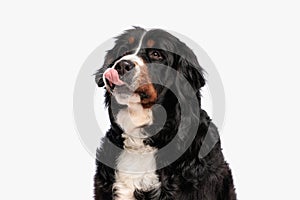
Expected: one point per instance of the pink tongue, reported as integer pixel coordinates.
(113, 76)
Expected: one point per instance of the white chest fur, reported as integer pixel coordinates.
(136, 167)
(136, 164)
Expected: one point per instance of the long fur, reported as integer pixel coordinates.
(192, 175)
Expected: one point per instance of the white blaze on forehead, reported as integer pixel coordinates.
(133, 57)
(140, 44)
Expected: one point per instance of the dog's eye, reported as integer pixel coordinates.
(155, 55)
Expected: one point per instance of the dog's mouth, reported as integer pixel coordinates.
(126, 86)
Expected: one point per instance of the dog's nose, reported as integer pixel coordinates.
(124, 66)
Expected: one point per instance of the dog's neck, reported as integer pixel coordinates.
(133, 118)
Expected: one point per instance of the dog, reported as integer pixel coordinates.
(154, 147)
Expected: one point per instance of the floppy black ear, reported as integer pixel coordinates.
(188, 65)
(99, 74)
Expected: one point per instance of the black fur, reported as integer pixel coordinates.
(192, 176)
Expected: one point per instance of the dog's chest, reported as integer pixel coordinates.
(136, 168)
(136, 165)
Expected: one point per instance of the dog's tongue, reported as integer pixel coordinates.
(113, 76)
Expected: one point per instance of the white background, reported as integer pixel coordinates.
(254, 44)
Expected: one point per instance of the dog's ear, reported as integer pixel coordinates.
(99, 77)
(99, 74)
(189, 66)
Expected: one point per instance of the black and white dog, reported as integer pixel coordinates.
(153, 149)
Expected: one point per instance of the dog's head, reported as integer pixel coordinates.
(144, 68)
(135, 66)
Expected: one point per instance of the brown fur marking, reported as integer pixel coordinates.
(146, 87)
(131, 40)
(150, 43)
